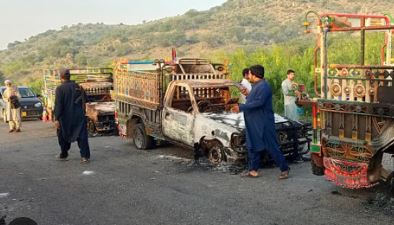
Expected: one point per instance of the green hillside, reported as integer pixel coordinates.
(246, 24)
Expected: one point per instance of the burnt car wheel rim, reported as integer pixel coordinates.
(215, 155)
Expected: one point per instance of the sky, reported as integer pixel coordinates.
(21, 19)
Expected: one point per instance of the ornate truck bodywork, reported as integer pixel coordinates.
(186, 102)
(97, 83)
(353, 114)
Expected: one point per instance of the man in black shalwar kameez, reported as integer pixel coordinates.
(70, 117)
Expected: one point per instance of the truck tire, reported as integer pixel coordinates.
(215, 155)
(91, 128)
(317, 170)
(140, 139)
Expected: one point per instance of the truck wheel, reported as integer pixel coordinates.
(317, 170)
(215, 155)
(140, 139)
(91, 128)
(303, 149)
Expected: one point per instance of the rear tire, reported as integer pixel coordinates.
(140, 139)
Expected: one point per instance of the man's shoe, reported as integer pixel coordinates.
(12, 130)
(84, 160)
(18, 130)
(61, 158)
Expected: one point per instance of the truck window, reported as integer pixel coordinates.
(181, 99)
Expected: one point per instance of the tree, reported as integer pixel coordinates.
(1, 77)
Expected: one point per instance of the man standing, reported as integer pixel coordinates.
(290, 96)
(245, 84)
(11, 97)
(260, 124)
(70, 117)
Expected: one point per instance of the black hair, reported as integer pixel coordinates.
(257, 70)
(65, 74)
(245, 72)
(290, 71)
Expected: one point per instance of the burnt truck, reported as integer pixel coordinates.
(97, 84)
(353, 112)
(188, 102)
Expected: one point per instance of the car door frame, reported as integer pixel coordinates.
(178, 124)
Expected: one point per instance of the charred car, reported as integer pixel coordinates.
(188, 102)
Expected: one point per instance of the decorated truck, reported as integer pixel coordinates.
(353, 112)
(188, 102)
(97, 83)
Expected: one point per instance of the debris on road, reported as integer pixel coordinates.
(87, 172)
(3, 195)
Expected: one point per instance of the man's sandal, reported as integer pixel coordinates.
(252, 174)
(84, 160)
(284, 174)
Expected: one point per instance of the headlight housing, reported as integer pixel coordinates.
(238, 142)
(38, 104)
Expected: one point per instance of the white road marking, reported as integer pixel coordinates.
(88, 172)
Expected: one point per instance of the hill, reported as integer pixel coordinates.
(236, 24)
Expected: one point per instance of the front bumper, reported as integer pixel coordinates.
(32, 113)
(347, 174)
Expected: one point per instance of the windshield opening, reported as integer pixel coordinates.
(216, 99)
(26, 93)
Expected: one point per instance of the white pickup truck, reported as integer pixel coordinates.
(187, 102)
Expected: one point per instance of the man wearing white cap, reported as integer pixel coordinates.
(11, 97)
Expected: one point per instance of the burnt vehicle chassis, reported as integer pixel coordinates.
(145, 99)
(293, 137)
(97, 84)
(100, 108)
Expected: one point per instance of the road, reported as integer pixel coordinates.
(122, 185)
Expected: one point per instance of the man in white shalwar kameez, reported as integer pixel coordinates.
(13, 116)
(290, 96)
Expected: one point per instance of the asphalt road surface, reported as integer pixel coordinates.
(122, 185)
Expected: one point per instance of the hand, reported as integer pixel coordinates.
(235, 108)
(297, 93)
(57, 124)
(245, 91)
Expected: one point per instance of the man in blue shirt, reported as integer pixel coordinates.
(260, 124)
